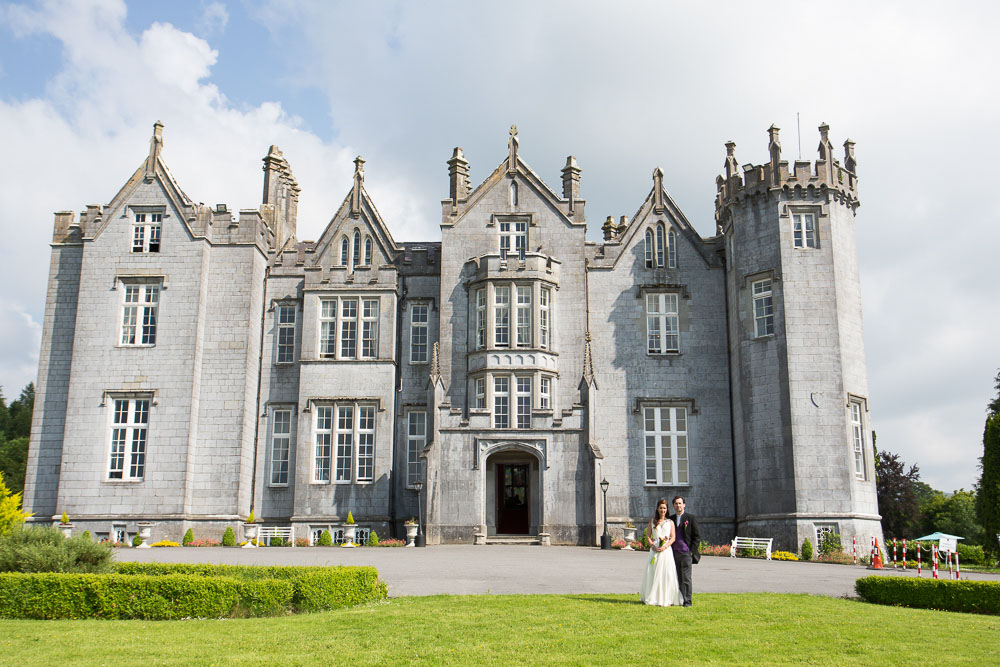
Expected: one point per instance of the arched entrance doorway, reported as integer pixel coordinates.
(513, 492)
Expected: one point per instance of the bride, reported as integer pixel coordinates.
(659, 583)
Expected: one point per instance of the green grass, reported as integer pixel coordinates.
(561, 629)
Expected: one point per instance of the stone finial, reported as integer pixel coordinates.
(458, 176)
(774, 147)
(588, 360)
(825, 154)
(155, 147)
(571, 181)
(850, 163)
(512, 148)
(731, 166)
(359, 179)
(658, 190)
(608, 228)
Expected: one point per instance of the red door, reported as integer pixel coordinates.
(512, 499)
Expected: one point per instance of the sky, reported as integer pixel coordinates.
(624, 88)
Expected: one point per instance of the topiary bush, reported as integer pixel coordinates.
(188, 537)
(136, 540)
(372, 540)
(978, 597)
(229, 537)
(807, 549)
(326, 539)
(44, 549)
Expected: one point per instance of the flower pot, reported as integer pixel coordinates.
(349, 533)
(67, 529)
(411, 534)
(250, 533)
(629, 537)
(145, 529)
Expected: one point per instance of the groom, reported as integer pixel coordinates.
(685, 547)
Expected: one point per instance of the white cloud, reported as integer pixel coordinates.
(20, 338)
(213, 20)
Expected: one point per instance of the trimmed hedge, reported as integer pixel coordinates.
(172, 591)
(977, 597)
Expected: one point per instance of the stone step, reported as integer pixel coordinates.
(513, 539)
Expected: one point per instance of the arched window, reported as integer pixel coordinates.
(357, 249)
(343, 251)
(659, 245)
(368, 251)
(513, 193)
(672, 249)
(649, 248)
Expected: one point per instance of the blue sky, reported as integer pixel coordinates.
(624, 89)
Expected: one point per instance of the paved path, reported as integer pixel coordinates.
(462, 570)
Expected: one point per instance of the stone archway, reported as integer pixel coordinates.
(512, 484)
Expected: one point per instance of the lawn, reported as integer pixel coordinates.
(561, 629)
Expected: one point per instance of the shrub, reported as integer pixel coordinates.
(972, 554)
(979, 597)
(783, 555)
(44, 549)
(86, 534)
(807, 549)
(250, 519)
(164, 543)
(350, 519)
(706, 549)
(11, 514)
(639, 546)
(840, 558)
(390, 542)
(276, 541)
(229, 537)
(204, 542)
(325, 539)
(830, 544)
(302, 542)
(64, 519)
(618, 544)
(372, 540)
(188, 537)
(136, 540)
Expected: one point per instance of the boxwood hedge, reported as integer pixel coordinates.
(165, 591)
(979, 597)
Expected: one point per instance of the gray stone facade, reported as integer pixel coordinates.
(198, 365)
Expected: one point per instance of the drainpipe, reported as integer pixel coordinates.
(732, 408)
(398, 350)
(260, 373)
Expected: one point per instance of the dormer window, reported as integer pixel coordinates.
(661, 247)
(146, 229)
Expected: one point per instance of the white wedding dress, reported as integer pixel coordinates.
(659, 582)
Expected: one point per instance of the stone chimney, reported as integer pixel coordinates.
(571, 182)
(850, 164)
(458, 176)
(731, 166)
(155, 146)
(609, 228)
(774, 147)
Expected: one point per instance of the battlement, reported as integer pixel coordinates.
(827, 174)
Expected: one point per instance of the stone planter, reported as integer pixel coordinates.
(629, 537)
(250, 531)
(67, 529)
(145, 530)
(411, 534)
(350, 531)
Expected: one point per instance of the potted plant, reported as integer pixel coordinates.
(145, 528)
(629, 534)
(411, 531)
(350, 531)
(250, 529)
(65, 526)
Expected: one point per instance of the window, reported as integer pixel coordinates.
(763, 308)
(480, 318)
(344, 251)
(666, 445)
(146, 232)
(353, 457)
(141, 303)
(345, 328)
(368, 251)
(650, 262)
(513, 237)
(545, 392)
(663, 250)
(286, 334)
(524, 315)
(824, 529)
(659, 245)
(672, 249)
(356, 259)
(804, 230)
(416, 439)
(662, 323)
(418, 333)
(479, 388)
(543, 318)
(281, 437)
(128, 438)
(501, 316)
(522, 385)
(513, 193)
(858, 432)
(501, 402)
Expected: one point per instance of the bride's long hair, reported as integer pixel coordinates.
(656, 512)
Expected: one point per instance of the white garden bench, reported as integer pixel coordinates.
(751, 543)
(287, 534)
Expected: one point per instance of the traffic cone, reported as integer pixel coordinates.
(877, 557)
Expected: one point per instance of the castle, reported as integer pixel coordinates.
(198, 364)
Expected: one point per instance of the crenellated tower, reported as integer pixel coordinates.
(801, 430)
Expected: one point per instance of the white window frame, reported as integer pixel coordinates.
(501, 401)
(501, 316)
(825, 529)
(349, 327)
(129, 441)
(140, 304)
(416, 440)
(650, 261)
(281, 445)
(328, 342)
(480, 318)
(665, 443)
(544, 317)
(147, 230)
(544, 392)
(419, 332)
(524, 324)
(762, 292)
(522, 401)
(513, 238)
(345, 442)
(804, 230)
(662, 323)
(479, 392)
(369, 329)
(323, 429)
(859, 442)
(285, 316)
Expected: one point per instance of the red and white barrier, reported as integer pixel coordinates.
(958, 570)
(918, 559)
(854, 548)
(894, 553)
(934, 561)
(904, 554)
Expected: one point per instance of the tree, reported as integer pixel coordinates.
(954, 515)
(11, 514)
(988, 497)
(15, 430)
(897, 495)
(993, 407)
(20, 413)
